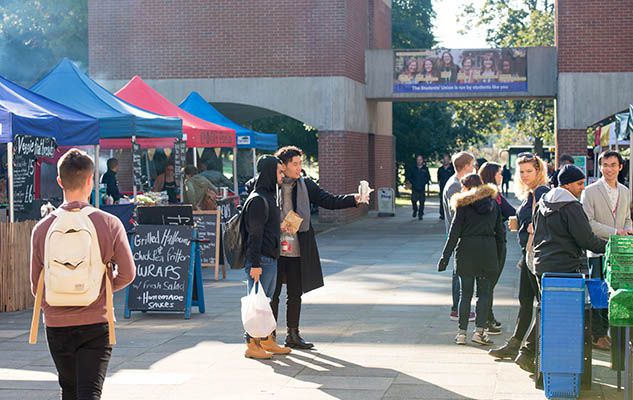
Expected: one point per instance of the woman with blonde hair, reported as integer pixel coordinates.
(530, 185)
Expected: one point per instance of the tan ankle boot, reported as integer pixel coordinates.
(270, 345)
(254, 350)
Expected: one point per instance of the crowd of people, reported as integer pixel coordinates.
(561, 226)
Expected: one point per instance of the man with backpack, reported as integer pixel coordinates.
(261, 226)
(73, 251)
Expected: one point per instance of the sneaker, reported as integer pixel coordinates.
(472, 316)
(493, 330)
(496, 323)
(460, 338)
(481, 338)
(454, 316)
(415, 214)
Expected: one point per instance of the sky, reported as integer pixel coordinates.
(446, 27)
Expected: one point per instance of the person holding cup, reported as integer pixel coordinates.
(530, 185)
(492, 173)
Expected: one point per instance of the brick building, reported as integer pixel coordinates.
(301, 58)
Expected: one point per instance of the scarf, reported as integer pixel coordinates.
(303, 203)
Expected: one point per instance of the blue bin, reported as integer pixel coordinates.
(561, 385)
(562, 323)
(598, 293)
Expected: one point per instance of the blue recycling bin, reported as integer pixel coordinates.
(562, 334)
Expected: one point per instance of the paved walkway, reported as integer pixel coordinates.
(381, 327)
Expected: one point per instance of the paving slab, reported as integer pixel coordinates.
(380, 326)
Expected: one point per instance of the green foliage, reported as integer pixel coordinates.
(411, 24)
(36, 34)
(291, 132)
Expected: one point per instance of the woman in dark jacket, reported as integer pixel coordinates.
(492, 173)
(530, 185)
(477, 225)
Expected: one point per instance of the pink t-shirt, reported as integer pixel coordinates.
(114, 247)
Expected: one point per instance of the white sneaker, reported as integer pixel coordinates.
(460, 338)
(482, 339)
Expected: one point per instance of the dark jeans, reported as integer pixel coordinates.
(455, 285)
(289, 272)
(528, 291)
(599, 317)
(418, 197)
(81, 355)
(483, 301)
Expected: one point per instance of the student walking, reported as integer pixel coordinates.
(444, 173)
(463, 164)
(77, 237)
(492, 173)
(607, 205)
(530, 185)
(299, 264)
(419, 177)
(476, 236)
(262, 228)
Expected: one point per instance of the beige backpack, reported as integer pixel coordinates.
(73, 270)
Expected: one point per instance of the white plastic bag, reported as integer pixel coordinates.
(257, 316)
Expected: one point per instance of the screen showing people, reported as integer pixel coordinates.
(443, 70)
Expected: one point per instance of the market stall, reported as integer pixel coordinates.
(121, 124)
(246, 138)
(25, 114)
(199, 133)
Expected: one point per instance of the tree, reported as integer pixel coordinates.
(427, 128)
(36, 34)
(522, 23)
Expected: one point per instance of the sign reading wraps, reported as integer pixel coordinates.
(162, 255)
(460, 71)
(180, 158)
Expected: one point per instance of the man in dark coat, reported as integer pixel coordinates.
(418, 177)
(299, 266)
(444, 173)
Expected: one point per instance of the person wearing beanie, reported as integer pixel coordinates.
(562, 232)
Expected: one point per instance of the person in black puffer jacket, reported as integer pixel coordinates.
(476, 227)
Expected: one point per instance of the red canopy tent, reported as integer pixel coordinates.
(200, 133)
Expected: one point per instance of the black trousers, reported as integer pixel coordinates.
(81, 355)
(528, 291)
(495, 280)
(289, 272)
(418, 197)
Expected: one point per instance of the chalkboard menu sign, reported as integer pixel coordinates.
(26, 151)
(180, 154)
(208, 225)
(162, 255)
(137, 167)
(165, 215)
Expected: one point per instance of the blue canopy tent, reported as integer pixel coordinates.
(23, 112)
(246, 138)
(120, 122)
(67, 85)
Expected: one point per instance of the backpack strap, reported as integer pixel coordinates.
(110, 306)
(35, 321)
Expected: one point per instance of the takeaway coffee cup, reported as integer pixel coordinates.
(513, 223)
